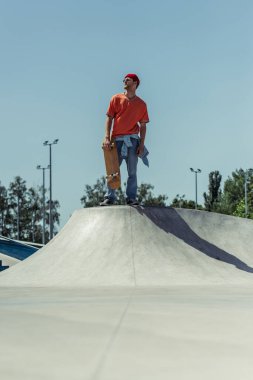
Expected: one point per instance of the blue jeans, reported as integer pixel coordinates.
(131, 162)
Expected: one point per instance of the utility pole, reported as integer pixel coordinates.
(246, 193)
(18, 218)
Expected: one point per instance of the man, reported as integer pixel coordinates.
(128, 115)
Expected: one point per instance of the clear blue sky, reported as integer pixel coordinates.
(62, 60)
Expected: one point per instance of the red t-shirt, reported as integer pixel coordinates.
(127, 114)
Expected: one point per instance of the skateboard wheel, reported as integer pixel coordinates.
(113, 175)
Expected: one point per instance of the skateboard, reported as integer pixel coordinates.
(112, 166)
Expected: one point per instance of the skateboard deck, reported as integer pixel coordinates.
(112, 166)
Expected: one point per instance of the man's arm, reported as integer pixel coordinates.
(108, 127)
(142, 139)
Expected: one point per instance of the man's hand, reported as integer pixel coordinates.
(108, 126)
(140, 150)
(107, 143)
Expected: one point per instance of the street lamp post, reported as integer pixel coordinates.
(44, 203)
(18, 218)
(246, 193)
(196, 185)
(47, 143)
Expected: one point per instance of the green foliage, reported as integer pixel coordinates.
(18, 206)
(180, 202)
(223, 206)
(240, 209)
(93, 195)
(146, 197)
(214, 192)
(234, 192)
(21, 212)
(231, 200)
(4, 211)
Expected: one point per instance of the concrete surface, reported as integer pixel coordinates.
(127, 293)
(179, 333)
(126, 246)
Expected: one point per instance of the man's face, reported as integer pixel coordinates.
(129, 84)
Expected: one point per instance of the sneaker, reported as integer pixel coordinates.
(132, 202)
(107, 202)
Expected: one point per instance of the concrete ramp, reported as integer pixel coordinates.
(8, 260)
(150, 246)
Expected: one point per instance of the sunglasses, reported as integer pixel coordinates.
(126, 80)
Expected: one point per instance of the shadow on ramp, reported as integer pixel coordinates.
(171, 222)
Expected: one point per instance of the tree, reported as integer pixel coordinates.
(234, 191)
(4, 211)
(214, 191)
(55, 217)
(240, 209)
(21, 212)
(231, 200)
(34, 215)
(17, 206)
(180, 202)
(146, 197)
(93, 195)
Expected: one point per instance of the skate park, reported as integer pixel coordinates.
(132, 293)
(124, 292)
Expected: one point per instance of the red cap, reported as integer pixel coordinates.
(134, 77)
